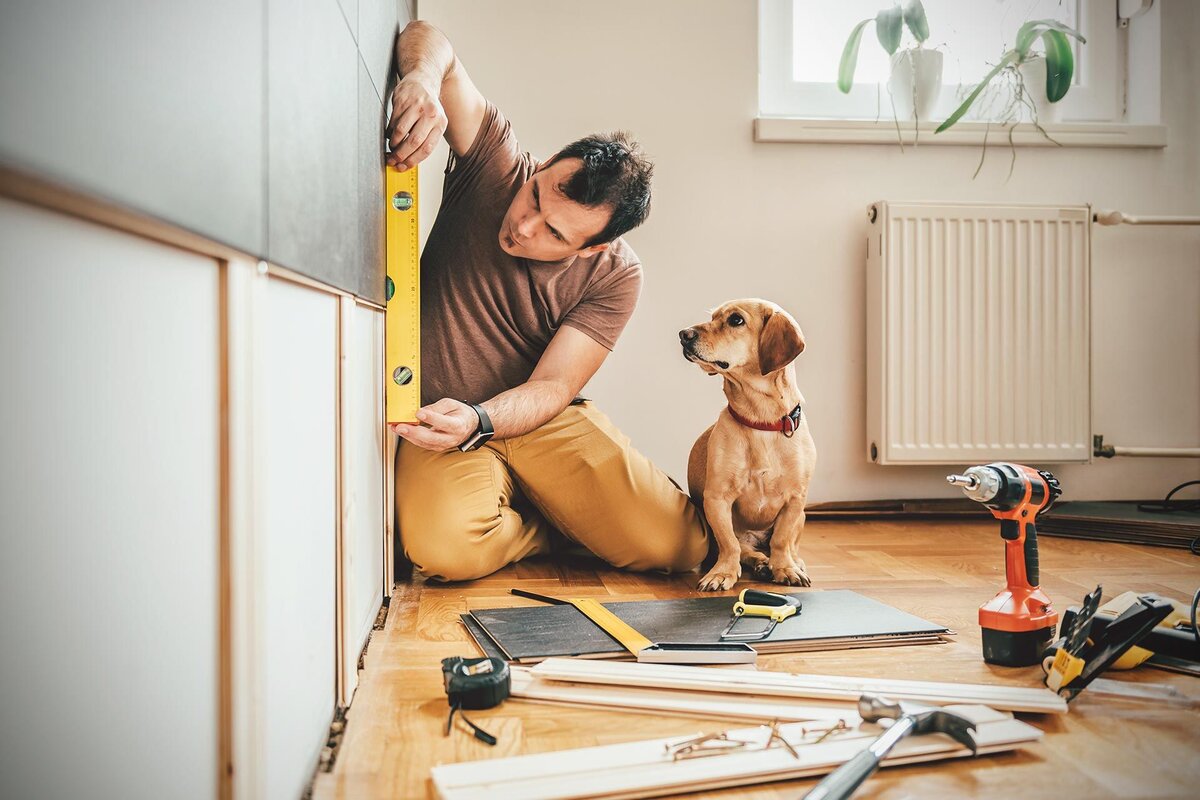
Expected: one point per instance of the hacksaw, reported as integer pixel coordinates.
(402, 317)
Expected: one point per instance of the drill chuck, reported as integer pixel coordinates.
(980, 484)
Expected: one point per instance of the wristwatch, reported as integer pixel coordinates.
(482, 434)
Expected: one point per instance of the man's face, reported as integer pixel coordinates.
(542, 224)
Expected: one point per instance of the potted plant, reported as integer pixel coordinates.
(1037, 80)
(916, 74)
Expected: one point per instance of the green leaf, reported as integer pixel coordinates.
(1025, 36)
(888, 28)
(1009, 58)
(1030, 31)
(850, 58)
(1060, 65)
(915, 19)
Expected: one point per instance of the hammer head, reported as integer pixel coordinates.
(925, 719)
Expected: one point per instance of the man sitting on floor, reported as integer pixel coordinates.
(525, 287)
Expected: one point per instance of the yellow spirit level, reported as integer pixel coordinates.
(403, 294)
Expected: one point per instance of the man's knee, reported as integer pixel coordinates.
(679, 551)
(448, 546)
(444, 519)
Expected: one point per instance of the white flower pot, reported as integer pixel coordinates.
(1033, 74)
(915, 82)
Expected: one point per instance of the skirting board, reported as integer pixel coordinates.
(646, 768)
(782, 684)
(526, 686)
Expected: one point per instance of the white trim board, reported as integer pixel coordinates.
(646, 768)
(831, 687)
(527, 686)
(851, 131)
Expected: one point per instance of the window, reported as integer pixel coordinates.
(801, 41)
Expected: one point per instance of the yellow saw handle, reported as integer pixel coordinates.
(757, 603)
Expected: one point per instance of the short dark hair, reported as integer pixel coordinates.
(615, 173)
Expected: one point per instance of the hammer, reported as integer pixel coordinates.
(909, 718)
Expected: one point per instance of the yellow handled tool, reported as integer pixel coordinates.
(757, 603)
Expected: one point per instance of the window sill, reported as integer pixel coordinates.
(855, 131)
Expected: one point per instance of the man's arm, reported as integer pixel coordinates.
(434, 96)
(567, 365)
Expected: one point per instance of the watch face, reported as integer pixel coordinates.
(475, 441)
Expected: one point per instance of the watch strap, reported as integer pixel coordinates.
(485, 422)
(483, 432)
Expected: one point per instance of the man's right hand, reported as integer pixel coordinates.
(417, 124)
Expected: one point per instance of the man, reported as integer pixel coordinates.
(525, 287)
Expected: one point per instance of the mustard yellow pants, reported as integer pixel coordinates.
(465, 515)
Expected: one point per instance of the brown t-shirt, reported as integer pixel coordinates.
(486, 316)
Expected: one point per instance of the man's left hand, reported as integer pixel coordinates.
(446, 424)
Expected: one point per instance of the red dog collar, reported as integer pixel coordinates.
(786, 424)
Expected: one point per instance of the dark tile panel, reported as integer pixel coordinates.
(378, 23)
(313, 141)
(157, 106)
(371, 268)
(350, 10)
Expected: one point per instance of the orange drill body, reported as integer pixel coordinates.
(1020, 620)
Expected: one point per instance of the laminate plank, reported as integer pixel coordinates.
(827, 618)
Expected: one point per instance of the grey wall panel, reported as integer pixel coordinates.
(109, 496)
(370, 277)
(312, 196)
(378, 23)
(350, 10)
(158, 106)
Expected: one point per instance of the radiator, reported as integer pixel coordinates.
(978, 333)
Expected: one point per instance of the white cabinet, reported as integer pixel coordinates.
(110, 507)
(363, 454)
(298, 497)
(193, 479)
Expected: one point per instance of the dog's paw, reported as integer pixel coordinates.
(720, 578)
(762, 570)
(790, 574)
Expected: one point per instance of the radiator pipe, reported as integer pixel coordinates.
(1102, 450)
(1112, 217)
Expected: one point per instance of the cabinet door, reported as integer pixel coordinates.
(109, 496)
(298, 486)
(362, 482)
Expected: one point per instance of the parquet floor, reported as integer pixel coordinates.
(938, 570)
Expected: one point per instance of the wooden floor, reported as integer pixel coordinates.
(939, 570)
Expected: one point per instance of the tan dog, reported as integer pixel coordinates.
(752, 473)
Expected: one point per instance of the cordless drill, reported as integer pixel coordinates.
(1018, 623)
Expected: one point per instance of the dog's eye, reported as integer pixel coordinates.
(736, 319)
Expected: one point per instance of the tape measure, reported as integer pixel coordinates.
(402, 318)
(474, 683)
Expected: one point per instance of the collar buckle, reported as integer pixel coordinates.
(791, 422)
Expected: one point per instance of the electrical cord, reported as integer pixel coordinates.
(1195, 604)
(1167, 506)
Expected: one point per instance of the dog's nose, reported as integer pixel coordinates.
(688, 335)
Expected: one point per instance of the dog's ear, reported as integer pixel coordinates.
(779, 343)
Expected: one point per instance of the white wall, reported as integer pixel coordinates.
(735, 218)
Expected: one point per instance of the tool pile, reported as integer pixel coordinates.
(807, 725)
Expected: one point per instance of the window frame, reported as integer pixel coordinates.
(1096, 97)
